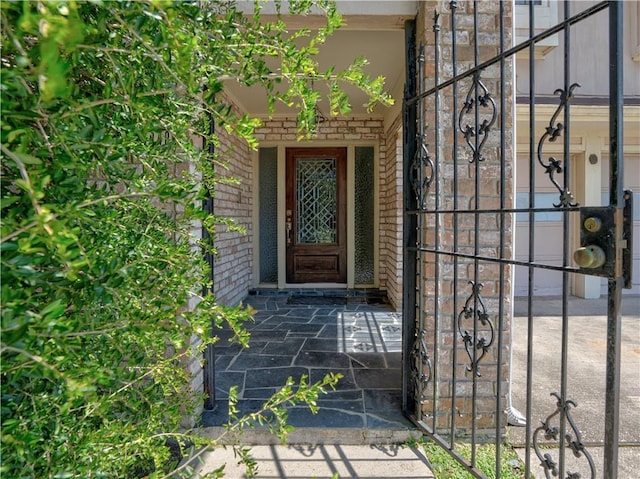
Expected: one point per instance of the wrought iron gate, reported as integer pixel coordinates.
(459, 225)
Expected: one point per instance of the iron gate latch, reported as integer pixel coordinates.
(598, 240)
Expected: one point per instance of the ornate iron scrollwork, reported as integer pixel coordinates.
(552, 432)
(477, 97)
(422, 167)
(474, 308)
(552, 133)
(422, 170)
(420, 365)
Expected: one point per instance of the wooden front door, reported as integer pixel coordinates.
(316, 215)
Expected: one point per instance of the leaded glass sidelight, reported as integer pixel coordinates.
(364, 215)
(316, 200)
(268, 207)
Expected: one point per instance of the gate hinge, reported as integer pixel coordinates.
(600, 244)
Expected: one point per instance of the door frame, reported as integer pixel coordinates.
(281, 209)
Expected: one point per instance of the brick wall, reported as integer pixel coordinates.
(391, 214)
(334, 130)
(233, 198)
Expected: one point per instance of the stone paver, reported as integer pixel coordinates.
(357, 337)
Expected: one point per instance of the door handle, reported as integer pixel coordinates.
(288, 227)
(590, 256)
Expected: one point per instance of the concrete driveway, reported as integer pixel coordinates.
(586, 377)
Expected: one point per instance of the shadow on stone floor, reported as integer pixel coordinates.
(358, 338)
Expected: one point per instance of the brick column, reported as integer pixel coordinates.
(465, 305)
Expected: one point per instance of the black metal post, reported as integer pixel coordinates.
(437, 179)
(616, 199)
(501, 295)
(409, 234)
(453, 5)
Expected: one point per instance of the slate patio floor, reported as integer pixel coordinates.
(314, 333)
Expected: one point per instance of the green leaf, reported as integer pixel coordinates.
(27, 159)
(8, 201)
(53, 310)
(13, 135)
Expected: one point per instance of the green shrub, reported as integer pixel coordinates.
(102, 182)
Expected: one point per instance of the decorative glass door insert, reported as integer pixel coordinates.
(316, 200)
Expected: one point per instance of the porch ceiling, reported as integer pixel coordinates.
(379, 38)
